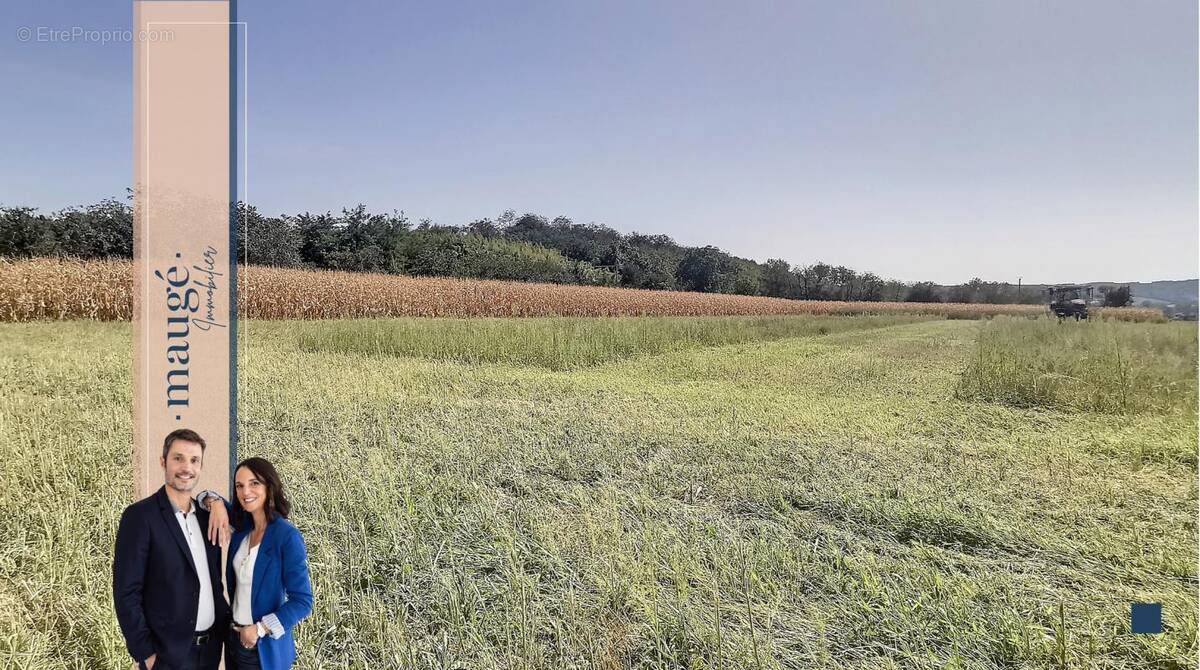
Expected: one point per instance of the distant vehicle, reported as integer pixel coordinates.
(1069, 301)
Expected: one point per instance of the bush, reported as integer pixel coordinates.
(102, 230)
(449, 252)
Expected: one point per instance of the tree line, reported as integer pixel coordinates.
(525, 247)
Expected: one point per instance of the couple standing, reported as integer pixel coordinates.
(167, 570)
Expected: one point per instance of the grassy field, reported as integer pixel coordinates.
(782, 499)
(1106, 367)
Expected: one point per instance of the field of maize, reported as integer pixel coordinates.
(55, 289)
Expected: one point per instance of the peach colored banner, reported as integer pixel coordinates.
(183, 320)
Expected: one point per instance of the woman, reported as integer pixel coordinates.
(267, 575)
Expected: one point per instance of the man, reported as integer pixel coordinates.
(166, 571)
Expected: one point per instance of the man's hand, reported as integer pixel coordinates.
(249, 635)
(150, 661)
(218, 521)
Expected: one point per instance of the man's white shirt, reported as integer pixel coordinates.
(205, 614)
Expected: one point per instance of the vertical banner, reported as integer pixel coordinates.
(184, 188)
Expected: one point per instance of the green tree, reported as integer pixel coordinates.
(320, 239)
(870, 287)
(635, 268)
(101, 230)
(266, 240)
(706, 269)
(24, 233)
(814, 280)
(746, 277)
(778, 280)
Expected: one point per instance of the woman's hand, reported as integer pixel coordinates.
(249, 635)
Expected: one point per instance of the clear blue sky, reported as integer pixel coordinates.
(919, 140)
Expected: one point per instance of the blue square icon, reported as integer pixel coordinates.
(1145, 618)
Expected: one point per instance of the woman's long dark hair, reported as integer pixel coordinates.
(277, 502)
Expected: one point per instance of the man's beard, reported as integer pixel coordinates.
(181, 485)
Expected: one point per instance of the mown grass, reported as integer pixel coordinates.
(807, 502)
(1098, 366)
(564, 343)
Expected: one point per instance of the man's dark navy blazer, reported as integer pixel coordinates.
(155, 586)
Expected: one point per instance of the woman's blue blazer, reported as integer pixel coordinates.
(280, 587)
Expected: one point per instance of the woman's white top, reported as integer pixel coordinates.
(243, 563)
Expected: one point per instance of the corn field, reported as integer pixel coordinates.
(55, 289)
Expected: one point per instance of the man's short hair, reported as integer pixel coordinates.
(185, 434)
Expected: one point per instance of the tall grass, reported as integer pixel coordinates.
(564, 343)
(1101, 366)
